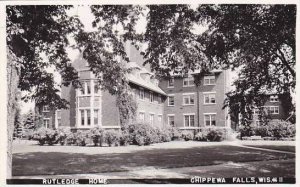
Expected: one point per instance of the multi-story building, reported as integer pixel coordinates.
(176, 101)
(190, 106)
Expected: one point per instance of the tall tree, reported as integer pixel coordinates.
(37, 37)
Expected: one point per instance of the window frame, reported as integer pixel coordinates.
(46, 125)
(209, 78)
(141, 93)
(151, 121)
(189, 120)
(274, 99)
(173, 96)
(151, 97)
(209, 94)
(189, 79)
(171, 86)
(142, 120)
(168, 119)
(46, 108)
(210, 119)
(188, 95)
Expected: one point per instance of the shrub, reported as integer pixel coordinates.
(202, 135)
(165, 134)
(124, 138)
(80, 138)
(62, 133)
(187, 135)
(96, 135)
(44, 135)
(70, 139)
(143, 134)
(112, 137)
(215, 135)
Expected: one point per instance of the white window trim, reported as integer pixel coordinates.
(171, 95)
(188, 85)
(268, 107)
(209, 93)
(141, 90)
(160, 115)
(168, 120)
(48, 123)
(151, 94)
(151, 114)
(188, 114)
(188, 94)
(209, 77)
(209, 119)
(274, 97)
(168, 86)
(143, 112)
(48, 109)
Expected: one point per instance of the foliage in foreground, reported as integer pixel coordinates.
(276, 129)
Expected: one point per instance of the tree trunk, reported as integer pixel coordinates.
(12, 86)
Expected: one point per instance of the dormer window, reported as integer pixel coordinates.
(46, 109)
(171, 83)
(274, 98)
(188, 81)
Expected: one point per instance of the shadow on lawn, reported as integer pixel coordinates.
(54, 163)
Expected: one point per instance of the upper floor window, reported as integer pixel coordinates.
(171, 83)
(86, 88)
(188, 81)
(189, 120)
(171, 101)
(210, 119)
(274, 98)
(142, 94)
(209, 98)
(96, 88)
(273, 109)
(188, 99)
(151, 97)
(209, 80)
(46, 109)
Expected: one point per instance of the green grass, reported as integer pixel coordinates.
(55, 163)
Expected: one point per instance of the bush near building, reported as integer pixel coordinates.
(137, 134)
(275, 129)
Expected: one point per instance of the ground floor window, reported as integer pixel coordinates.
(210, 119)
(171, 120)
(96, 117)
(142, 116)
(151, 119)
(88, 117)
(46, 122)
(189, 120)
(159, 119)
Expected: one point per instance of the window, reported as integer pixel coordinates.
(188, 99)
(159, 119)
(96, 117)
(142, 116)
(210, 119)
(46, 109)
(58, 114)
(96, 88)
(274, 98)
(258, 123)
(151, 119)
(273, 109)
(171, 101)
(209, 80)
(151, 97)
(210, 98)
(188, 81)
(82, 117)
(189, 120)
(88, 87)
(88, 114)
(46, 122)
(171, 83)
(142, 94)
(171, 120)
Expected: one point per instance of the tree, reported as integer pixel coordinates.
(37, 37)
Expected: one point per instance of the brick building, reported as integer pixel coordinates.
(176, 101)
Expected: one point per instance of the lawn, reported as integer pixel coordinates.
(54, 163)
(276, 147)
